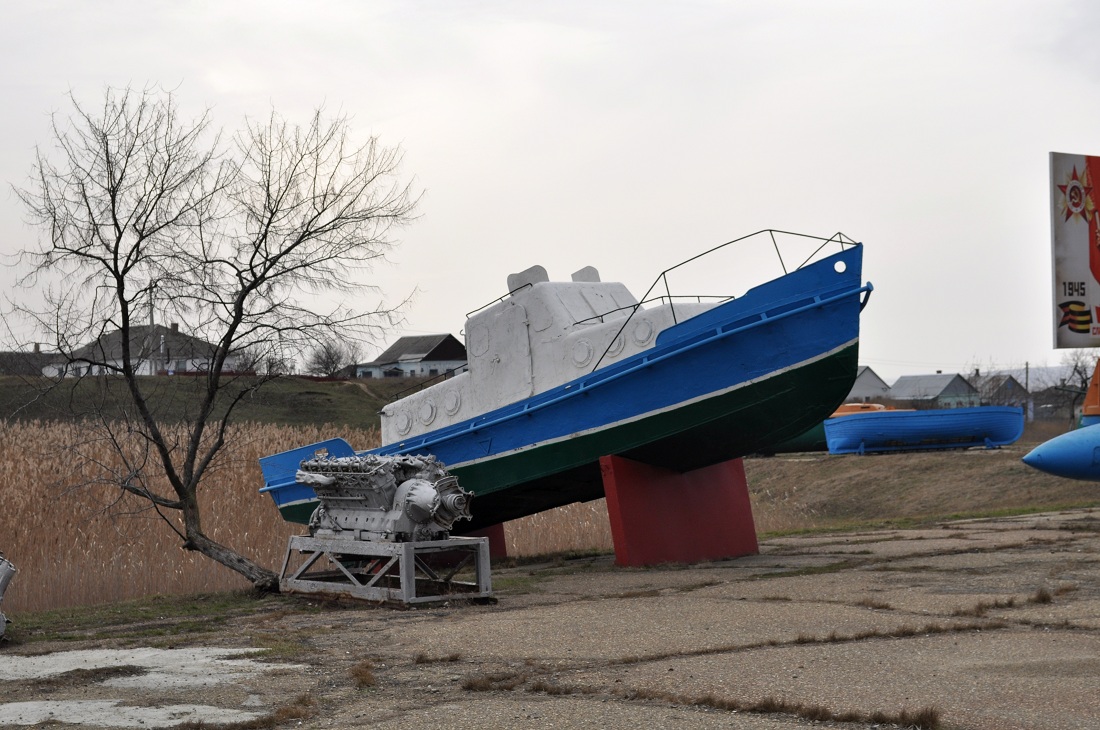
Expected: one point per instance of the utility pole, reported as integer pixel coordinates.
(1027, 389)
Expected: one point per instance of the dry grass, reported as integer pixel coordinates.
(981, 608)
(84, 546)
(76, 547)
(574, 527)
(87, 545)
(423, 658)
(927, 718)
(363, 674)
(807, 491)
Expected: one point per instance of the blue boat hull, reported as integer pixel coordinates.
(1073, 455)
(955, 428)
(747, 374)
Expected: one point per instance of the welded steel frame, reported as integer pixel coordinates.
(396, 572)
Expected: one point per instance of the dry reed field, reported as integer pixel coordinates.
(88, 545)
(78, 546)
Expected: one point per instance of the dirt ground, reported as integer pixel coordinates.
(974, 625)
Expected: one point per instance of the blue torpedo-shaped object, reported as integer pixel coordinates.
(1073, 455)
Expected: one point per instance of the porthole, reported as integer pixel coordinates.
(452, 401)
(582, 353)
(479, 341)
(426, 412)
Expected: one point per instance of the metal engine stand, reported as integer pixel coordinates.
(381, 532)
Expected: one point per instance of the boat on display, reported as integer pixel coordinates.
(814, 439)
(948, 428)
(560, 374)
(1073, 455)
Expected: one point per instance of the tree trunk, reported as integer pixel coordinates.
(261, 578)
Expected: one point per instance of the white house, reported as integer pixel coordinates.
(868, 388)
(942, 390)
(154, 350)
(415, 357)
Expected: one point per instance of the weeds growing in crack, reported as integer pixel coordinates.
(1041, 595)
(549, 688)
(423, 658)
(697, 586)
(927, 718)
(814, 570)
(1045, 595)
(981, 608)
(874, 603)
(901, 632)
(302, 707)
(363, 674)
(494, 681)
(1063, 625)
(1087, 524)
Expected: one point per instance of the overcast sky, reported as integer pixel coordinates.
(629, 135)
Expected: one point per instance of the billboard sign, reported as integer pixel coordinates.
(1075, 243)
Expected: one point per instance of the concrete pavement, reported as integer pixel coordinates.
(972, 625)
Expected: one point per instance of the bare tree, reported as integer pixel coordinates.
(147, 211)
(329, 356)
(1079, 365)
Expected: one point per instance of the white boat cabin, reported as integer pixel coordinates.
(541, 335)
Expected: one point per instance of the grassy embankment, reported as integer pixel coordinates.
(286, 401)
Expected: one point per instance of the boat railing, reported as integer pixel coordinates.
(652, 293)
(521, 287)
(422, 384)
(660, 299)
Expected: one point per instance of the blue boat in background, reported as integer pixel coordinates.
(953, 428)
(1076, 454)
(1073, 455)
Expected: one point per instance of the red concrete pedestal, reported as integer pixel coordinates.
(662, 516)
(498, 547)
